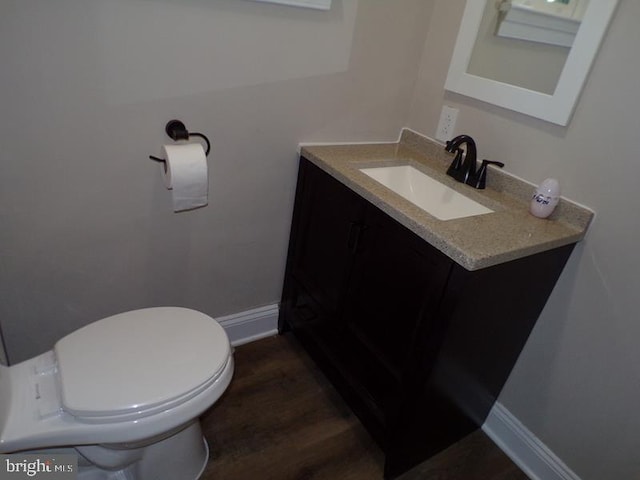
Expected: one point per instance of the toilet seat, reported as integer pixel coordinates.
(102, 378)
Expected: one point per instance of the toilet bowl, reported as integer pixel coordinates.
(123, 393)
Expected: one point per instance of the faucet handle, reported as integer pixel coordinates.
(480, 179)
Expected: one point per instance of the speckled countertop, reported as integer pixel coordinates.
(476, 242)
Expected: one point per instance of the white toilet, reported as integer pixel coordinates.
(124, 393)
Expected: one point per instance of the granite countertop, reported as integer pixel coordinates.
(476, 242)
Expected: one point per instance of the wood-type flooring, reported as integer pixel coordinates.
(280, 419)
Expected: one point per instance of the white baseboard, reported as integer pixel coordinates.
(526, 450)
(250, 325)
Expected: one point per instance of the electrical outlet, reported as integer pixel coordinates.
(447, 123)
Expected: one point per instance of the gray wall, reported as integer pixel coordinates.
(87, 228)
(577, 383)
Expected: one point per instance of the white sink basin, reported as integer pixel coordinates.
(434, 197)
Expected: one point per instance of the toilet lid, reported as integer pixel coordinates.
(139, 361)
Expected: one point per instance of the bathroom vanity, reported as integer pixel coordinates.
(416, 321)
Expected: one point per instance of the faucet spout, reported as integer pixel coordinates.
(462, 172)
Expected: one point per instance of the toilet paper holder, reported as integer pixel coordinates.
(177, 131)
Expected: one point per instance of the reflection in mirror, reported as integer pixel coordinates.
(511, 50)
(554, 22)
(531, 56)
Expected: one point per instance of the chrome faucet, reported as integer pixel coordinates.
(460, 170)
(465, 171)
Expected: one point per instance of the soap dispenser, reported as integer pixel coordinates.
(545, 198)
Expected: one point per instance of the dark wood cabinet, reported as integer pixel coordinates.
(418, 346)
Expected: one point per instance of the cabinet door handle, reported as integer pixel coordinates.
(353, 239)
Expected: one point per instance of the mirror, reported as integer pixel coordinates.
(503, 68)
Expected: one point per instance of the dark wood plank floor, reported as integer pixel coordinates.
(281, 420)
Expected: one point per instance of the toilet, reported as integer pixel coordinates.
(123, 393)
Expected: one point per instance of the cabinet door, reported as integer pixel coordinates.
(330, 223)
(396, 286)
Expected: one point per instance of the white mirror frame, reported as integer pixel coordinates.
(556, 108)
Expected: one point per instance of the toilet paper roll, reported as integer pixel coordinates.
(186, 175)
